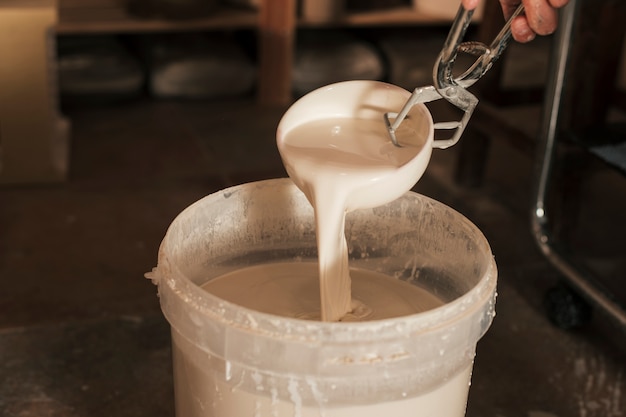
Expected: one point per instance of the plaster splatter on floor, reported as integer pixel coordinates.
(600, 391)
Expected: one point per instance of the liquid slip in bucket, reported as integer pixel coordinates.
(232, 361)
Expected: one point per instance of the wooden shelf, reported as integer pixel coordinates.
(108, 17)
(398, 16)
(276, 24)
(111, 18)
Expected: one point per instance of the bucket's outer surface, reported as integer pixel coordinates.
(233, 362)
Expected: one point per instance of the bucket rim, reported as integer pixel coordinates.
(478, 299)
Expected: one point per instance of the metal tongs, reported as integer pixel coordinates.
(454, 89)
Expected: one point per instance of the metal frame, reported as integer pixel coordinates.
(577, 275)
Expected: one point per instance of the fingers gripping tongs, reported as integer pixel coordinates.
(454, 89)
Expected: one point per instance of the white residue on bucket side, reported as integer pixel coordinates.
(274, 403)
(317, 395)
(237, 386)
(258, 381)
(227, 371)
(251, 321)
(412, 265)
(295, 397)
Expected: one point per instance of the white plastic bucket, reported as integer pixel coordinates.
(230, 361)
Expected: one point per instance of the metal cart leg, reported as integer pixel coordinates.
(580, 279)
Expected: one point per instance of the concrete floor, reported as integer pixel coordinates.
(81, 332)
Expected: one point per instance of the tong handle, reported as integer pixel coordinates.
(487, 55)
(453, 89)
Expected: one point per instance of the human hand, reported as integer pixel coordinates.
(540, 16)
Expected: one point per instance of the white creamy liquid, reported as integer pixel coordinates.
(336, 163)
(292, 290)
